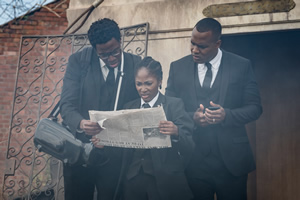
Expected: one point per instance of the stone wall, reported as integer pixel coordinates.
(171, 21)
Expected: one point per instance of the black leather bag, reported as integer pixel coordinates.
(54, 139)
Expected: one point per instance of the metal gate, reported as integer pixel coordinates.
(30, 174)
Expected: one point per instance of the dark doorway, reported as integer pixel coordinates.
(275, 137)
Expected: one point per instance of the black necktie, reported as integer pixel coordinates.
(110, 80)
(146, 105)
(208, 77)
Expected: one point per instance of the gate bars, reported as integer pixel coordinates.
(30, 174)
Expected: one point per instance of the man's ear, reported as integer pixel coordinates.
(160, 83)
(218, 43)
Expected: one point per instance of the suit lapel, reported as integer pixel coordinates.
(197, 84)
(155, 153)
(225, 76)
(136, 103)
(158, 154)
(95, 72)
(160, 100)
(191, 80)
(94, 75)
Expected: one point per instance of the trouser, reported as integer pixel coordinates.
(141, 187)
(80, 181)
(233, 189)
(214, 178)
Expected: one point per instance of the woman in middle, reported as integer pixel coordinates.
(158, 174)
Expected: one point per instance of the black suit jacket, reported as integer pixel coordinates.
(169, 163)
(81, 87)
(239, 96)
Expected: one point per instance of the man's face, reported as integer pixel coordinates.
(204, 47)
(110, 53)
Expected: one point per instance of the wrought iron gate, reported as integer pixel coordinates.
(42, 62)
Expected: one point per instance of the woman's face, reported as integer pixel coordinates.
(146, 84)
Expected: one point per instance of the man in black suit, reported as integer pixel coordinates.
(91, 84)
(220, 92)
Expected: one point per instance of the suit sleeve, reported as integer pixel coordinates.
(250, 108)
(185, 124)
(70, 95)
(170, 89)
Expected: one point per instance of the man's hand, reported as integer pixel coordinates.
(199, 117)
(89, 127)
(214, 116)
(95, 142)
(168, 128)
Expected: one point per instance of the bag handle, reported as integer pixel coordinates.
(54, 113)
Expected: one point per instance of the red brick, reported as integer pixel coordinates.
(33, 32)
(4, 35)
(64, 6)
(16, 27)
(19, 31)
(39, 27)
(40, 22)
(40, 14)
(6, 30)
(28, 27)
(17, 38)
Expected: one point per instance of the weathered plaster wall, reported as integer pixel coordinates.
(171, 22)
(177, 14)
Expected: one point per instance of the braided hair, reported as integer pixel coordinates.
(153, 66)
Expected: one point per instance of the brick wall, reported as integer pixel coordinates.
(39, 22)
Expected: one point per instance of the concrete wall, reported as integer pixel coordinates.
(171, 21)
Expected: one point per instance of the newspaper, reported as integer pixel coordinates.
(134, 128)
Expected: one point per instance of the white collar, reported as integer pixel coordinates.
(152, 102)
(215, 62)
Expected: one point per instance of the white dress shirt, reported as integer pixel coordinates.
(105, 70)
(152, 102)
(215, 65)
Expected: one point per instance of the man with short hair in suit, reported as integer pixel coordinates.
(220, 92)
(91, 84)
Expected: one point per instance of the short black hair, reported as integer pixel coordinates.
(103, 31)
(153, 66)
(210, 24)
